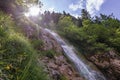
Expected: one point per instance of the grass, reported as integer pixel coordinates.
(18, 58)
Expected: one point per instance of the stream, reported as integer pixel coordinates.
(86, 71)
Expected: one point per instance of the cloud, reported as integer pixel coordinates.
(76, 15)
(77, 6)
(92, 6)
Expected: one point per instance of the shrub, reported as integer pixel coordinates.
(18, 59)
(37, 44)
(49, 53)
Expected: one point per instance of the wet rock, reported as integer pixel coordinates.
(108, 63)
(115, 66)
(1, 79)
(49, 41)
(52, 65)
(59, 60)
(58, 67)
(39, 33)
(55, 75)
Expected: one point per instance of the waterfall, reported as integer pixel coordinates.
(83, 69)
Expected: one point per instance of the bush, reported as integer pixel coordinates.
(48, 53)
(93, 38)
(37, 44)
(62, 77)
(18, 59)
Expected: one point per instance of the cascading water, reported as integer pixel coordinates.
(84, 70)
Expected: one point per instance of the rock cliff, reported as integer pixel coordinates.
(58, 67)
(108, 63)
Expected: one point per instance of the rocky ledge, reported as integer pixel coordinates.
(60, 69)
(108, 63)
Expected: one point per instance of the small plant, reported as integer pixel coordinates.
(37, 44)
(62, 77)
(18, 58)
(49, 53)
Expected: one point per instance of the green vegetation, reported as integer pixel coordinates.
(19, 54)
(95, 37)
(18, 58)
(49, 53)
(37, 44)
(90, 35)
(62, 77)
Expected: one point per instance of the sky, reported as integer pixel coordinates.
(94, 7)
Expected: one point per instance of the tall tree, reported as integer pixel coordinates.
(85, 14)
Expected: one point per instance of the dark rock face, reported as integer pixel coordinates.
(59, 67)
(109, 64)
(49, 41)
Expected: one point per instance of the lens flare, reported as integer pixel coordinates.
(33, 11)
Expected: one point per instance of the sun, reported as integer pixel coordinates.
(33, 11)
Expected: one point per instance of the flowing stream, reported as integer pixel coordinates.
(84, 70)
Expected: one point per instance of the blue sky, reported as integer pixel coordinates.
(94, 7)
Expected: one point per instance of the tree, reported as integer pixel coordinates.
(85, 14)
(65, 22)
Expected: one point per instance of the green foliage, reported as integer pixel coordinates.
(2, 32)
(49, 53)
(62, 77)
(37, 44)
(91, 35)
(94, 37)
(65, 22)
(85, 15)
(18, 59)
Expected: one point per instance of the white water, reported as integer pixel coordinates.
(84, 70)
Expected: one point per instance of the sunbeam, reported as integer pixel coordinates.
(33, 11)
